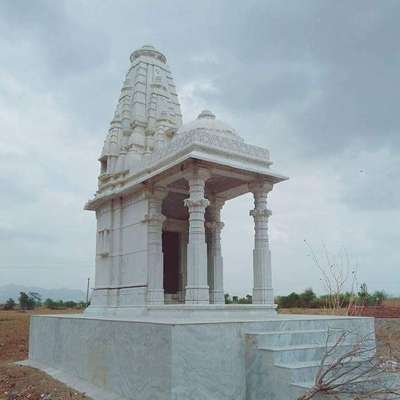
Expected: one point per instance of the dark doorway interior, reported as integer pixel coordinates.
(170, 247)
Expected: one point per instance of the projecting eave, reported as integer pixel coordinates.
(196, 145)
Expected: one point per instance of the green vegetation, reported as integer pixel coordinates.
(61, 305)
(309, 299)
(32, 300)
(238, 300)
(28, 301)
(10, 304)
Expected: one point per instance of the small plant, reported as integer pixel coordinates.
(337, 275)
(357, 373)
(10, 304)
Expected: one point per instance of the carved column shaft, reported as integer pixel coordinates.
(155, 220)
(197, 290)
(262, 271)
(183, 265)
(216, 261)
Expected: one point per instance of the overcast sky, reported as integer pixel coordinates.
(316, 82)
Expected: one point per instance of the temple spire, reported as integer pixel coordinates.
(147, 114)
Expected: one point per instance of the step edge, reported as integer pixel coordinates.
(303, 347)
(270, 333)
(307, 364)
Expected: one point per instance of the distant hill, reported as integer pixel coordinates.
(13, 291)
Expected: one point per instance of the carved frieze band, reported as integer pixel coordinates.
(229, 147)
(203, 137)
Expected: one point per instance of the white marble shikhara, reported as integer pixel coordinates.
(157, 327)
(159, 176)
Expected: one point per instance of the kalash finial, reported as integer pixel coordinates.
(148, 51)
(206, 114)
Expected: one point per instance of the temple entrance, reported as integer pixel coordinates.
(171, 250)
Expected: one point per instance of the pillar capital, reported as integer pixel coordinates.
(202, 174)
(193, 204)
(217, 201)
(215, 226)
(260, 187)
(260, 213)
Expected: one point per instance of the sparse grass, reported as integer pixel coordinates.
(310, 311)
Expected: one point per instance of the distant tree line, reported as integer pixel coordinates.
(309, 299)
(248, 299)
(32, 300)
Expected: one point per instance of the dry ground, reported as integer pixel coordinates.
(18, 382)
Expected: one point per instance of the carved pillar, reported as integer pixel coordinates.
(183, 265)
(216, 261)
(262, 290)
(155, 265)
(197, 290)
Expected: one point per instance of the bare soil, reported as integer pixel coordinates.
(388, 337)
(18, 382)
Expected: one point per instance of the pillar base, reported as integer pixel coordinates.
(263, 296)
(217, 297)
(155, 296)
(197, 295)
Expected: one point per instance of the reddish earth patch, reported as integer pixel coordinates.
(17, 382)
(382, 311)
(388, 337)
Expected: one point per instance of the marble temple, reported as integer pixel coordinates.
(162, 186)
(157, 326)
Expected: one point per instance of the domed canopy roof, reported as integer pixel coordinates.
(208, 122)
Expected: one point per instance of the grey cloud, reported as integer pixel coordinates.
(20, 236)
(312, 80)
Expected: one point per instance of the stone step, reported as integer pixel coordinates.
(305, 371)
(302, 323)
(304, 353)
(386, 379)
(297, 337)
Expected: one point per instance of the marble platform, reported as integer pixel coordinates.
(177, 353)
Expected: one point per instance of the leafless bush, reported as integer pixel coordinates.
(339, 279)
(357, 373)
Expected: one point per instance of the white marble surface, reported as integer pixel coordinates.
(168, 358)
(148, 151)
